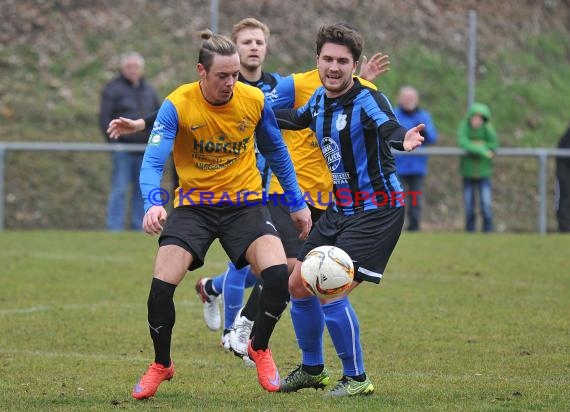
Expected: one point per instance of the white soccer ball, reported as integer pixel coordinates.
(327, 271)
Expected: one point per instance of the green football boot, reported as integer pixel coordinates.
(299, 379)
(349, 387)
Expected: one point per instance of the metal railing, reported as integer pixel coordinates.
(542, 154)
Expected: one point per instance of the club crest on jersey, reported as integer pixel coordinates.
(243, 125)
(341, 122)
(272, 95)
(331, 152)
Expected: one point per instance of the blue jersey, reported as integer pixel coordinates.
(355, 133)
(266, 83)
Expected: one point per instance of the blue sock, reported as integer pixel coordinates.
(233, 286)
(250, 278)
(218, 281)
(344, 330)
(309, 325)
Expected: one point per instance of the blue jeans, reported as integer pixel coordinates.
(413, 183)
(483, 187)
(126, 170)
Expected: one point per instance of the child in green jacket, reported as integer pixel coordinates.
(477, 136)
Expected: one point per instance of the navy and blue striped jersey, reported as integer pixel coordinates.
(266, 83)
(355, 133)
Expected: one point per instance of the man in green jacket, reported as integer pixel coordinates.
(477, 136)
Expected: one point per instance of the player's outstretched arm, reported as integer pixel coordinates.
(378, 64)
(122, 126)
(413, 139)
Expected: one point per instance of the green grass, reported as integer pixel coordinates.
(460, 323)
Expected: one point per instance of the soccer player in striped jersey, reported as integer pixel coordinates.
(209, 125)
(355, 129)
(293, 92)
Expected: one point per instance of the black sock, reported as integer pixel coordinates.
(313, 369)
(272, 303)
(161, 318)
(359, 378)
(252, 304)
(210, 289)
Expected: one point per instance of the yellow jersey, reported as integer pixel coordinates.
(213, 147)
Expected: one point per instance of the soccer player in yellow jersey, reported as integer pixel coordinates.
(210, 124)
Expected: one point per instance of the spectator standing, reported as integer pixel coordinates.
(127, 95)
(477, 136)
(412, 169)
(563, 185)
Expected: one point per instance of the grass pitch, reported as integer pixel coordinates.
(461, 322)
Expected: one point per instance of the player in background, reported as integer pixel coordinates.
(219, 113)
(356, 129)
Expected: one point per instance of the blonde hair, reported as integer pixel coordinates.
(213, 44)
(249, 23)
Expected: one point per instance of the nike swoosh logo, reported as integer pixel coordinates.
(271, 224)
(276, 380)
(196, 126)
(356, 389)
(138, 388)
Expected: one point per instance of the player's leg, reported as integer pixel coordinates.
(308, 323)
(308, 319)
(244, 325)
(249, 236)
(267, 257)
(244, 321)
(369, 239)
(177, 253)
(208, 293)
(171, 264)
(236, 281)
(344, 328)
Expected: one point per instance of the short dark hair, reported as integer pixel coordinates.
(342, 34)
(213, 44)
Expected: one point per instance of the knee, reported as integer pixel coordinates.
(296, 288)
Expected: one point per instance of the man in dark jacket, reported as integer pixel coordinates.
(412, 169)
(127, 95)
(563, 185)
